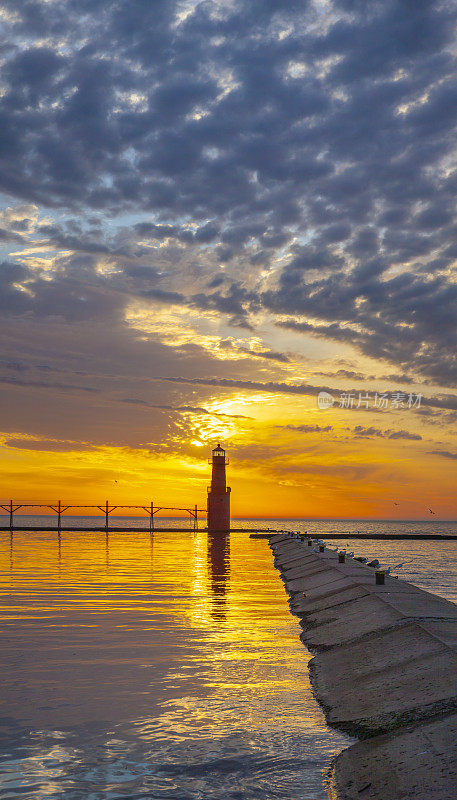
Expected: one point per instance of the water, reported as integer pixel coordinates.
(139, 666)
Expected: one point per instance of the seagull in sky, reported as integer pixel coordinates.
(431, 511)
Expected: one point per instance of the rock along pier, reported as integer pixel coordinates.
(384, 670)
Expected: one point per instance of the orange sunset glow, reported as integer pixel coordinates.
(288, 459)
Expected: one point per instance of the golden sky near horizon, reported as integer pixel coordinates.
(288, 458)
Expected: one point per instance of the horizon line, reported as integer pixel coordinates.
(258, 517)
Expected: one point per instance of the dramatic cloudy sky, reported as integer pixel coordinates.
(211, 211)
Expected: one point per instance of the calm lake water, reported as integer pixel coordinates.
(164, 666)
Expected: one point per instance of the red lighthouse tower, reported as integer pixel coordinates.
(218, 494)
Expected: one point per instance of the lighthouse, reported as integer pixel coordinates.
(218, 494)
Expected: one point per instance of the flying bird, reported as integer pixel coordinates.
(431, 511)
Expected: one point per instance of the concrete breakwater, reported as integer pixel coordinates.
(384, 670)
(410, 537)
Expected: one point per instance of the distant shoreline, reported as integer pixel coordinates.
(397, 520)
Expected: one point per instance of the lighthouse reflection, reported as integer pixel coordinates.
(218, 574)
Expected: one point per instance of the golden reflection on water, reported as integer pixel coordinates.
(172, 641)
(218, 574)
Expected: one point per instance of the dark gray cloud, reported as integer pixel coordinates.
(444, 454)
(292, 159)
(46, 384)
(348, 374)
(361, 431)
(403, 435)
(445, 402)
(407, 320)
(47, 445)
(184, 409)
(307, 428)
(234, 383)
(397, 378)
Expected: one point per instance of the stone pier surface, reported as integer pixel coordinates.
(384, 670)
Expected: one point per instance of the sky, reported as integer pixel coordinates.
(211, 212)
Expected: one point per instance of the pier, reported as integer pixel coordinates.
(384, 670)
(60, 508)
